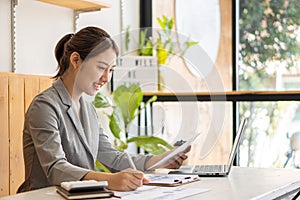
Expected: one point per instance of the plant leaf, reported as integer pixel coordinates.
(120, 145)
(127, 105)
(152, 99)
(101, 101)
(161, 23)
(143, 34)
(151, 144)
(136, 97)
(116, 125)
(145, 45)
(148, 51)
(191, 43)
(170, 23)
(128, 99)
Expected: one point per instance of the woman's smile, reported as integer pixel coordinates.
(97, 86)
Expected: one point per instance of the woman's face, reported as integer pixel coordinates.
(95, 72)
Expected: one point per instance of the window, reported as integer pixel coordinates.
(265, 72)
(268, 50)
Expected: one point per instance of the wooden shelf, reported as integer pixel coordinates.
(233, 96)
(79, 5)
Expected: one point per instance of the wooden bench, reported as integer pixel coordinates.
(16, 93)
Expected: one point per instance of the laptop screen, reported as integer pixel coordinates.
(237, 140)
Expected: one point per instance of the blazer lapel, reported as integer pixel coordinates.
(66, 99)
(90, 126)
(80, 131)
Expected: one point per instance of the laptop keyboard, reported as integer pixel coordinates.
(209, 168)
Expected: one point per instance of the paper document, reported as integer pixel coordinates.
(170, 180)
(159, 193)
(175, 152)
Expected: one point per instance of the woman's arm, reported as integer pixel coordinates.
(43, 145)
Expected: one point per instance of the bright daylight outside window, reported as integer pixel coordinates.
(269, 59)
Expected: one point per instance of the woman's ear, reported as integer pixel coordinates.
(75, 60)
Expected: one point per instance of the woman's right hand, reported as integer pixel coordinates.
(126, 180)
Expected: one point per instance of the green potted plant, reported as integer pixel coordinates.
(163, 45)
(125, 107)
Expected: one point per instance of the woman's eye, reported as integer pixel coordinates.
(101, 68)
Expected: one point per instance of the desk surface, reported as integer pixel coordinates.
(242, 183)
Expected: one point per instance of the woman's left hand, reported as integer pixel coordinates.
(173, 163)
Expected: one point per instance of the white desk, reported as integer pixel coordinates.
(250, 183)
(242, 183)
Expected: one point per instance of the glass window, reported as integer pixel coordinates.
(269, 45)
(271, 128)
(269, 59)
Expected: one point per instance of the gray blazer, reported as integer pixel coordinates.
(58, 147)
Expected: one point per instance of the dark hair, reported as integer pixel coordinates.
(88, 42)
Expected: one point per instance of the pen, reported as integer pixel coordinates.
(131, 163)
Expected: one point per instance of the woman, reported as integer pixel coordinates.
(62, 137)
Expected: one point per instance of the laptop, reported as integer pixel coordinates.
(215, 170)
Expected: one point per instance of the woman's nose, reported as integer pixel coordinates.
(105, 77)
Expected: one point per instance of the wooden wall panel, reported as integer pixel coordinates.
(31, 89)
(4, 135)
(16, 94)
(224, 58)
(45, 82)
(16, 121)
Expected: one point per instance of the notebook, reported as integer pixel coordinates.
(215, 170)
(85, 189)
(89, 194)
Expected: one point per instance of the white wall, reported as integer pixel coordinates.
(39, 26)
(107, 19)
(5, 48)
(131, 14)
